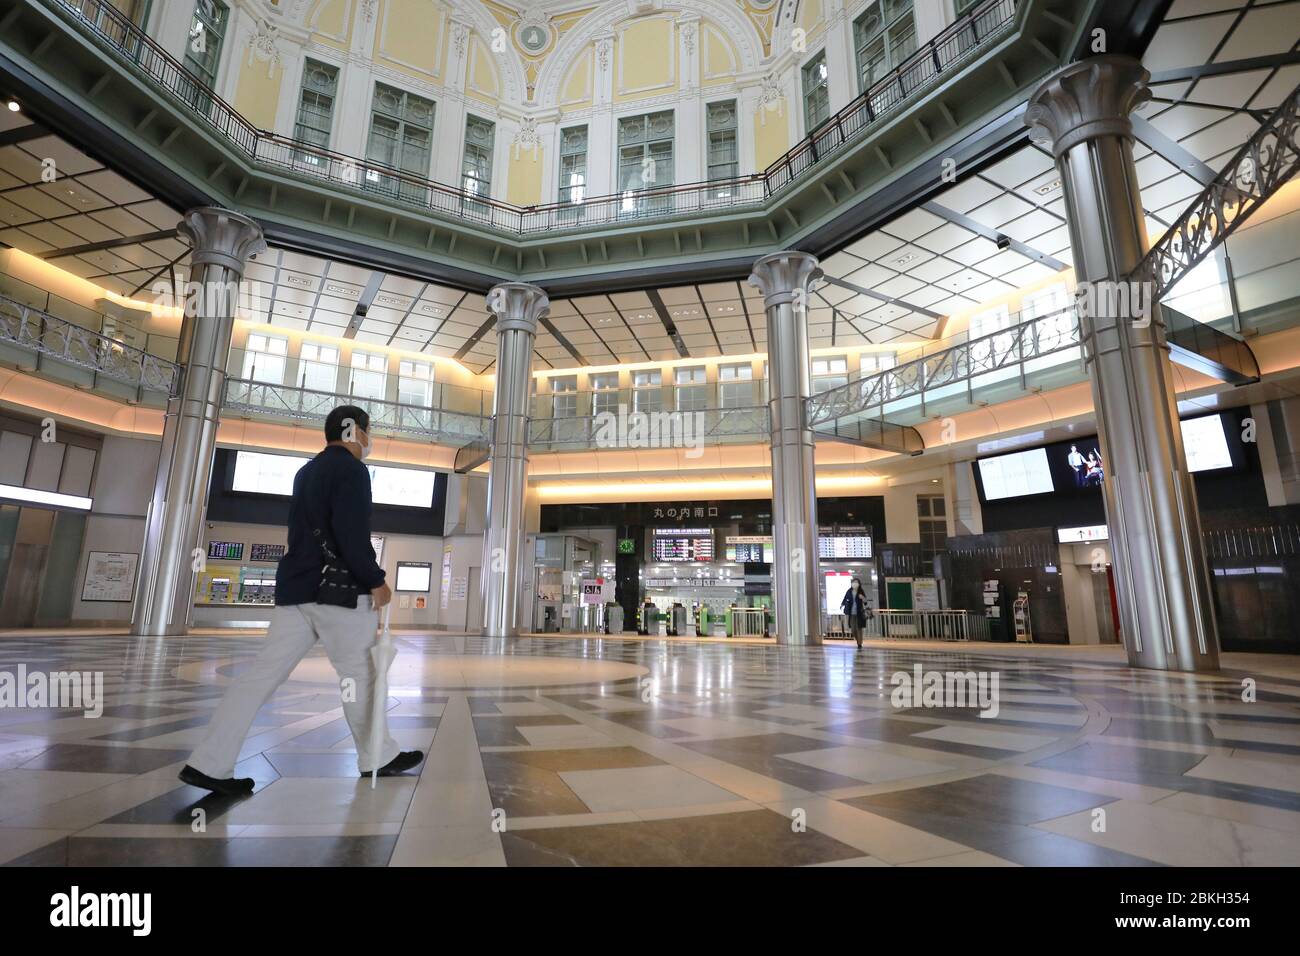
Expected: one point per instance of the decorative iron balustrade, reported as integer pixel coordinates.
(974, 31)
(30, 328)
(304, 404)
(650, 429)
(947, 50)
(1005, 349)
(1265, 163)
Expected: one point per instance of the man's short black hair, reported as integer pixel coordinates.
(337, 420)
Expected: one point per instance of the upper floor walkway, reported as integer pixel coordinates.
(954, 99)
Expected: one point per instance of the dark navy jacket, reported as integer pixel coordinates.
(331, 492)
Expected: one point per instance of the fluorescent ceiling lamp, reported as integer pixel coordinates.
(37, 497)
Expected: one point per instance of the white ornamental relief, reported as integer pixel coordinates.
(604, 51)
(770, 97)
(460, 39)
(262, 46)
(527, 137)
(368, 10)
(688, 38)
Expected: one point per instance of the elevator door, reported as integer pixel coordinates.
(1103, 603)
(39, 550)
(28, 552)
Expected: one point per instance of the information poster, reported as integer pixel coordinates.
(110, 576)
(446, 577)
(595, 590)
(925, 595)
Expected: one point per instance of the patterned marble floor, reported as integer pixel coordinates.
(571, 751)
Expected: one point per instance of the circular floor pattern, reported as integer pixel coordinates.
(464, 672)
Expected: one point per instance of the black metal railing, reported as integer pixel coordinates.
(954, 46)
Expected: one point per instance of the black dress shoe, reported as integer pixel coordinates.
(230, 787)
(400, 764)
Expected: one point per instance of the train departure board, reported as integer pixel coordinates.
(683, 544)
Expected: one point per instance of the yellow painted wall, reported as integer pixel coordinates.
(771, 135)
(575, 91)
(719, 60)
(524, 187)
(811, 14)
(333, 20)
(412, 36)
(481, 73)
(643, 66)
(258, 91)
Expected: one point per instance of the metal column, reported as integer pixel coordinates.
(518, 308)
(1165, 605)
(222, 242)
(784, 279)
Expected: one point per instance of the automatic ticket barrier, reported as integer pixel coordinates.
(702, 621)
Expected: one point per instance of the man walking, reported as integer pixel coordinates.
(327, 588)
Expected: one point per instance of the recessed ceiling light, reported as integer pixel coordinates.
(1046, 188)
(13, 106)
(904, 259)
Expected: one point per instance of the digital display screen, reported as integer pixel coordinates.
(259, 473)
(749, 549)
(226, 550)
(1078, 465)
(265, 552)
(1206, 444)
(414, 576)
(683, 544)
(1021, 473)
(750, 553)
(846, 546)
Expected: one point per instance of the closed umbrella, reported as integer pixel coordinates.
(382, 654)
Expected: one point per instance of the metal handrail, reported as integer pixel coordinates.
(1263, 165)
(939, 625)
(1036, 338)
(584, 430)
(305, 404)
(951, 47)
(974, 30)
(32, 328)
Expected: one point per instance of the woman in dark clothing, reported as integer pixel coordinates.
(855, 608)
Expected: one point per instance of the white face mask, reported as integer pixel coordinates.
(365, 449)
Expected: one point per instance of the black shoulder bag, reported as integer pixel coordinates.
(338, 587)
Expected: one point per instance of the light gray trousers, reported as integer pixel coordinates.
(347, 635)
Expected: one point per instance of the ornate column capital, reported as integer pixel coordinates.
(778, 275)
(221, 237)
(518, 305)
(1086, 99)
